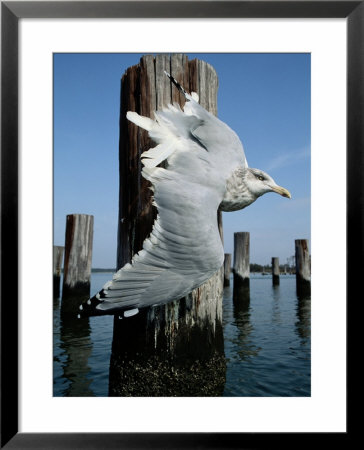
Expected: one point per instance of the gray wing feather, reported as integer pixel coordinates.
(183, 250)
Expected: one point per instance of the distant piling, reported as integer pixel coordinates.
(175, 349)
(241, 291)
(77, 261)
(227, 269)
(58, 252)
(275, 271)
(241, 258)
(303, 270)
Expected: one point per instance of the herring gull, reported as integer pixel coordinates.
(206, 171)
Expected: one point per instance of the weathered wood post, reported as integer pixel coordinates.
(77, 262)
(275, 271)
(227, 269)
(303, 311)
(176, 349)
(57, 268)
(303, 272)
(241, 258)
(241, 291)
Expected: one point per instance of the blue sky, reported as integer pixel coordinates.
(264, 98)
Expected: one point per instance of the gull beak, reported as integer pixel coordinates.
(281, 191)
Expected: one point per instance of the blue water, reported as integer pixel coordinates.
(267, 344)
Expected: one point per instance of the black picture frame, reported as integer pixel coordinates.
(11, 12)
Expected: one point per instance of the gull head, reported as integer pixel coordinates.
(259, 183)
(245, 185)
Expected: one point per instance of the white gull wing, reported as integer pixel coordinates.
(182, 252)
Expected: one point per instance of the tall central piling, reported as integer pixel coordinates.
(175, 349)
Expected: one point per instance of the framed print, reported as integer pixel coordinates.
(35, 35)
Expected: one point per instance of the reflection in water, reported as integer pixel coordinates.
(276, 312)
(56, 303)
(75, 348)
(242, 312)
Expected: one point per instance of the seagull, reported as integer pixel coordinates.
(206, 171)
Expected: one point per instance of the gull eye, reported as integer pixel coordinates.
(260, 177)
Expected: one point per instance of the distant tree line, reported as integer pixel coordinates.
(268, 268)
(97, 269)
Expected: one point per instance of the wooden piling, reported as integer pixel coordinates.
(177, 348)
(241, 258)
(57, 268)
(275, 271)
(77, 261)
(227, 269)
(303, 271)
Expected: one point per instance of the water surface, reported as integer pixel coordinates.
(266, 339)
